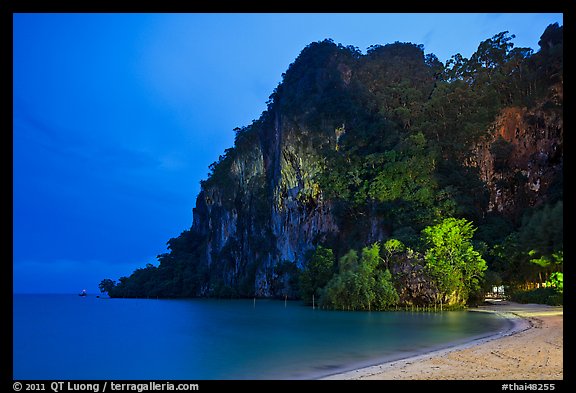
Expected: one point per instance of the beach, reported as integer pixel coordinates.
(531, 349)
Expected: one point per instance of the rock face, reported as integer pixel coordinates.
(522, 158)
(270, 210)
(261, 207)
(360, 148)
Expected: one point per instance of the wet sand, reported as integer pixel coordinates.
(532, 349)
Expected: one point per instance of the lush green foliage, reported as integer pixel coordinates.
(544, 295)
(400, 156)
(361, 285)
(317, 271)
(533, 252)
(556, 281)
(452, 260)
(452, 269)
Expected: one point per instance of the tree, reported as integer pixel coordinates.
(318, 270)
(451, 259)
(390, 249)
(556, 280)
(107, 285)
(348, 262)
(385, 295)
(532, 253)
(552, 36)
(493, 52)
(548, 264)
(361, 285)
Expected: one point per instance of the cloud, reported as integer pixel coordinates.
(76, 146)
(92, 181)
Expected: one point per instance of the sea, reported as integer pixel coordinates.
(69, 337)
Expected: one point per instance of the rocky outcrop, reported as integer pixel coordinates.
(262, 207)
(357, 148)
(522, 156)
(265, 209)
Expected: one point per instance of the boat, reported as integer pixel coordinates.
(83, 293)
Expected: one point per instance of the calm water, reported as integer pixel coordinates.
(71, 337)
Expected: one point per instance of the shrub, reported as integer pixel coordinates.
(550, 296)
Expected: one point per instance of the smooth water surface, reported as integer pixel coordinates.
(73, 337)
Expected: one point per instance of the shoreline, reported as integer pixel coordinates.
(530, 349)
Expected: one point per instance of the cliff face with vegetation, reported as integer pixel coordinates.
(521, 158)
(361, 148)
(265, 211)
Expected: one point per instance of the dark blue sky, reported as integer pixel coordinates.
(117, 117)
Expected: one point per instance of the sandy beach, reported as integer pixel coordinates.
(532, 349)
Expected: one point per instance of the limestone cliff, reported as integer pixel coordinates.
(357, 148)
(267, 208)
(263, 206)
